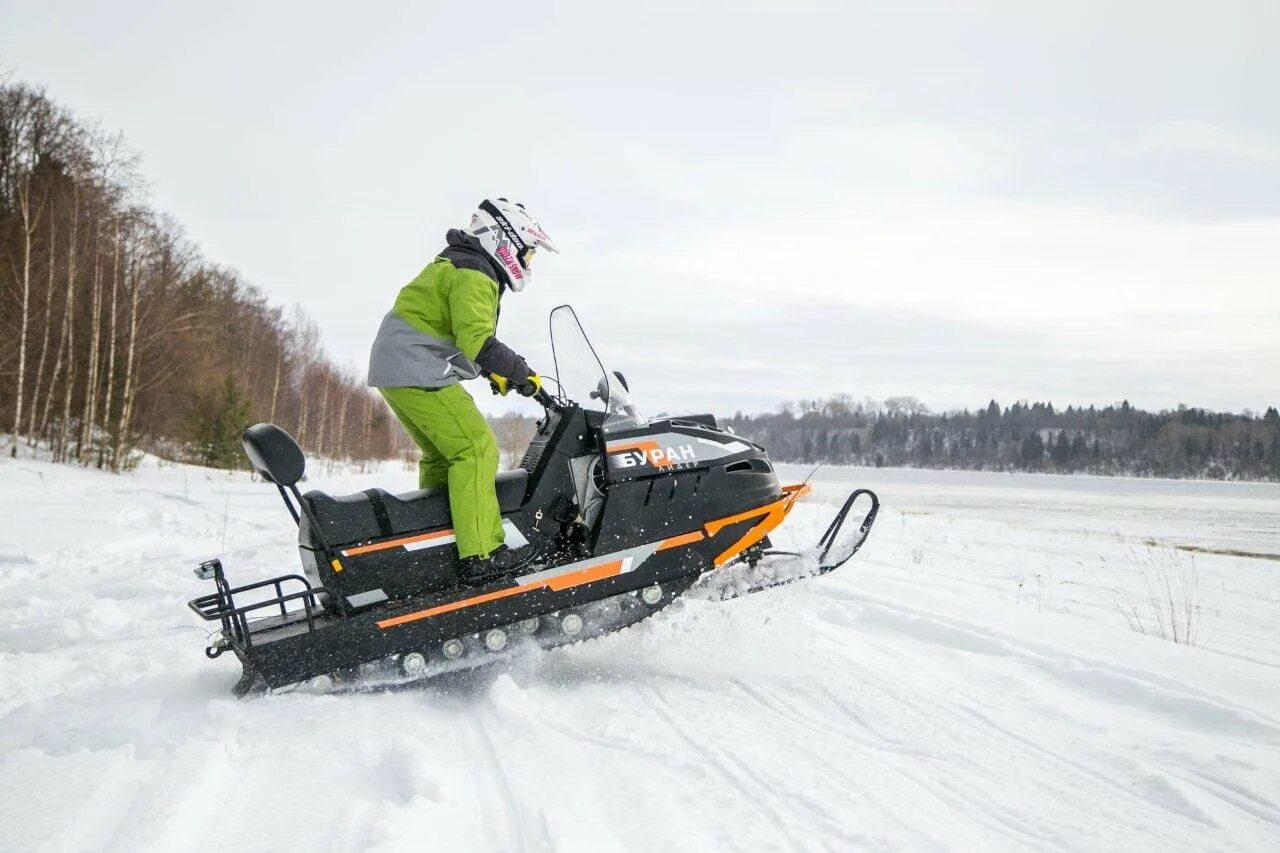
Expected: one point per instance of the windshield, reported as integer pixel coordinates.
(582, 377)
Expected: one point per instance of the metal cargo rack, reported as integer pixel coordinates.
(238, 629)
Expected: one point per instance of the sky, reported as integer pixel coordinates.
(755, 202)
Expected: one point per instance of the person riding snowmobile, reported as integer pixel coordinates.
(442, 329)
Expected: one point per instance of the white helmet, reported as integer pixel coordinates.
(510, 236)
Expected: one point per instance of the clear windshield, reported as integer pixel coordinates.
(582, 377)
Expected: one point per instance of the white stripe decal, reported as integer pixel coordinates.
(431, 543)
(728, 447)
(631, 559)
(360, 599)
(513, 539)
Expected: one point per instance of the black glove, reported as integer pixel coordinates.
(530, 386)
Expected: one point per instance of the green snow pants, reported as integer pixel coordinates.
(458, 450)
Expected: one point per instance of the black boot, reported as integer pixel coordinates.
(502, 563)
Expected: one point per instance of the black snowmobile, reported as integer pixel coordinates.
(623, 514)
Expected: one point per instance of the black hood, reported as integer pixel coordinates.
(465, 252)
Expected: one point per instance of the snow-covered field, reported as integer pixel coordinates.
(973, 680)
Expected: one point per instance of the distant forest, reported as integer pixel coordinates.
(1117, 439)
(116, 333)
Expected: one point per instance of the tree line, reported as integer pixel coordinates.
(118, 335)
(1116, 439)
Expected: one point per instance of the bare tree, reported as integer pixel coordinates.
(46, 325)
(111, 342)
(88, 413)
(130, 384)
(26, 123)
(29, 223)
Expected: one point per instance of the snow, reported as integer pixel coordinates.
(970, 681)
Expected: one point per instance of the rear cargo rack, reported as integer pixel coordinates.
(237, 626)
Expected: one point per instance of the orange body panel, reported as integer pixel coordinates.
(771, 515)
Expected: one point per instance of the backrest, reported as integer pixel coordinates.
(274, 454)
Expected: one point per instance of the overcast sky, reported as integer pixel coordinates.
(754, 201)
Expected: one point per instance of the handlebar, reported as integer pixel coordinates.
(541, 396)
(549, 402)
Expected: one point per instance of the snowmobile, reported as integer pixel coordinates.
(623, 515)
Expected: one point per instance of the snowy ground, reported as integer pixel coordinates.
(972, 681)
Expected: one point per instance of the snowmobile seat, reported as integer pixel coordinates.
(375, 513)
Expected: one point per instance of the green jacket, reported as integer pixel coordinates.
(443, 324)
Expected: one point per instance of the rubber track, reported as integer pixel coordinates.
(258, 687)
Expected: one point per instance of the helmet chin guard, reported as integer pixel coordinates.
(510, 236)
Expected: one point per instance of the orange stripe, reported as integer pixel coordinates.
(633, 445)
(682, 539)
(451, 606)
(644, 446)
(716, 525)
(773, 514)
(395, 543)
(587, 575)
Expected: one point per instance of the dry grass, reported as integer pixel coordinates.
(1163, 600)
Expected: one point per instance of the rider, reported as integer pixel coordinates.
(441, 330)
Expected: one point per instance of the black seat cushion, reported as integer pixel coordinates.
(274, 454)
(376, 514)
